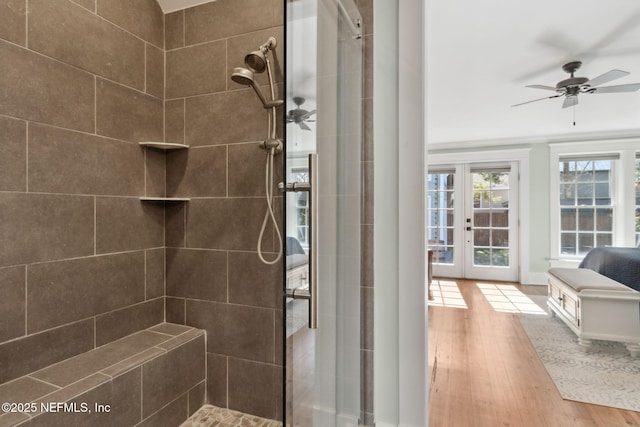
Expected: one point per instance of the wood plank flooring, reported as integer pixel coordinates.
(486, 373)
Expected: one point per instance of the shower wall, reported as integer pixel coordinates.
(215, 279)
(81, 258)
(366, 275)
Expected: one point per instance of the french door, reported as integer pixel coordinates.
(473, 220)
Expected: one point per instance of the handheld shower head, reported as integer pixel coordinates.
(245, 77)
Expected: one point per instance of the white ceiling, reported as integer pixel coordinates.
(481, 54)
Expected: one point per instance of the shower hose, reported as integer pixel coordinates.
(268, 179)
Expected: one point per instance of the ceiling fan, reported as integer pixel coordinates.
(573, 86)
(299, 115)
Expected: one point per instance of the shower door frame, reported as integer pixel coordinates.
(336, 369)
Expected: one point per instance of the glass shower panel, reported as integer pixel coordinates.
(323, 146)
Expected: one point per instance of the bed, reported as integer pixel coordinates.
(619, 264)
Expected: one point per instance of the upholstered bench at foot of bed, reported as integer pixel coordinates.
(595, 307)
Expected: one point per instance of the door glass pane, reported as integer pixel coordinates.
(323, 111)
(440, 216)
(490, 218)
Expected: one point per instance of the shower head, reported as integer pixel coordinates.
(245, 77)
(257, 60)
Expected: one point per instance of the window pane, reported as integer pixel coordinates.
(585, 219)
(481, 218)
(500, 238)
(481, 237)
(481, 256)
(604, 219)
(604, 239)
(568, 219)
(568, 244)
(500, 218)
(500, 257)
(567, 194)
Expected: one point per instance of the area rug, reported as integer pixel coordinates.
(603, 375)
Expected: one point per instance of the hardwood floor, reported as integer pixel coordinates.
(485, 372)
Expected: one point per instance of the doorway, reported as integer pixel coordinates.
(472, 220)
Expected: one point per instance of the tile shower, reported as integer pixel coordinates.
(83, 262)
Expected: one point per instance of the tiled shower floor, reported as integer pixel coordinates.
(210, 415)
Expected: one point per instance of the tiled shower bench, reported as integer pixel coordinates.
(154, 377)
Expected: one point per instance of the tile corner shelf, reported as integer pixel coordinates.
(166, 146)
(164, 199)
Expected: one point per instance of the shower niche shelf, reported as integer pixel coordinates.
(164, 146)
(164, 199)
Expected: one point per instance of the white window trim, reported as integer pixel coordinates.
(624, 194)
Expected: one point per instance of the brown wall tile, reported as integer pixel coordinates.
(38, 227)
(174, 414)
(144, 18)
(24, 389)
(72, 34)
(37, 88)
(235, 330)
(12, 303)
(197, 172)
(167, 377)
(174, 121)
(235, 226)
(175, 224)
(62, 161)
(119, 323)
(365, 7)
(127, 114)
(367, 193)
(239, 46)
(366, 251)
(125, 224)
(221, 18)
(247, 170)
(367, 129)
(174, 30)
(155, 71)
(197, 397)
(13, 21)
(13, 153)
(156, 167)
(368, 67)
(199, 274)
(44, 349)
(251, 282)
(255, 388)
(65, 291)
(217, 380)
(196, 70)
(154, 273)
(87, 4)
(366, 315)
(122, 394)
(224, 118)
(175, 310)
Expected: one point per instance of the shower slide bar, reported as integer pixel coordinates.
(311, 187)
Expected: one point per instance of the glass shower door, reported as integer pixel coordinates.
(322, 213)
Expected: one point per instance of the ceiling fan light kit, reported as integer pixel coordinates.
(573, 86)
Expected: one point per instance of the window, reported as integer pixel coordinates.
(586, 203)
(302, 207)
(440, 216)
(637, 191)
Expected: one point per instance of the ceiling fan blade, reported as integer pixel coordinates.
(617, 89)
(542, 87)
(570, 101)
(304, 126)
(607, 77)
(309, 114)
(535, 100)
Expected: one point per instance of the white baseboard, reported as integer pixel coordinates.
(534, 278)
